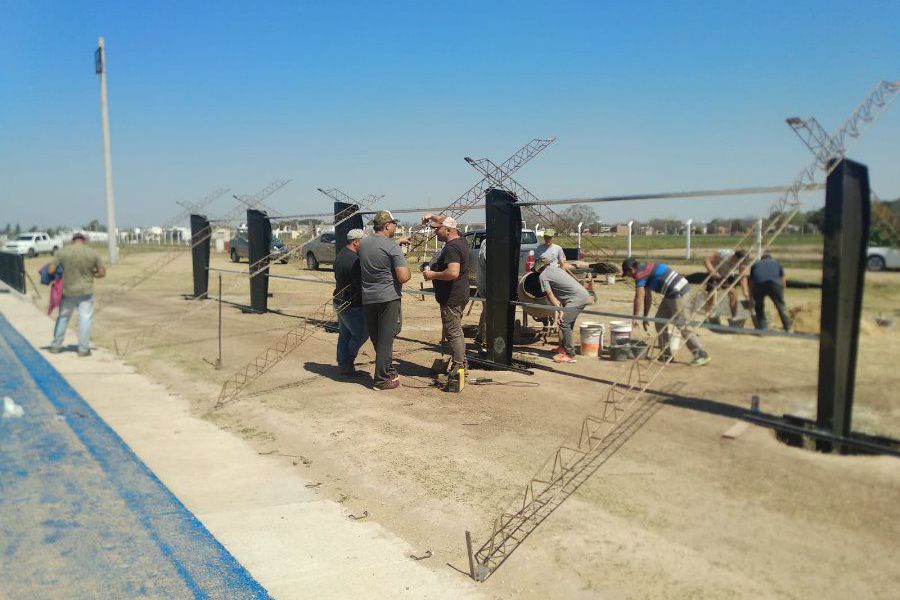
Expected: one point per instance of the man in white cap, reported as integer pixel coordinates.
(449, 272)
(352, 331)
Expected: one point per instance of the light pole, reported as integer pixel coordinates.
(579, 233)
(100, 68)
(759, 239)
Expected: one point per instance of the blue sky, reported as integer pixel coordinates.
(388, 98)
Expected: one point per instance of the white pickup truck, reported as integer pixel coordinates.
(32, 244)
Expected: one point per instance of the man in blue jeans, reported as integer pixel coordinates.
(81, 264)
(352, 330)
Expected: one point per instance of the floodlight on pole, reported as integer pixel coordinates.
(100, 69)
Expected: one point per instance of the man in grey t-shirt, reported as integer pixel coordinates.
(384, 270)
(563, 291)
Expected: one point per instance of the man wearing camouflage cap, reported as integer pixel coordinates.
(383, 272)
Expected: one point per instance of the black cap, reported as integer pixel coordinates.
(629, 263)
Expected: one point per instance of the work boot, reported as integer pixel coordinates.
(84, 353)
(664, 356)
(390, 384)
(54, 349)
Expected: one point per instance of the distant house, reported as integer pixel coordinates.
(619, 229)
(723, 229)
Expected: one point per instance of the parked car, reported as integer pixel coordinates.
(879, 258)
(32, 244)
(319, 250)
(239, 247)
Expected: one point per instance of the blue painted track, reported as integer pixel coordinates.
(80, 515)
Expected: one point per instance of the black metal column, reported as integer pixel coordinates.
(200, 242)
(259, 234)
(344, 225)
(504, 236)
(846, 233)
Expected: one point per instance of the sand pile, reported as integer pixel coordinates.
(807, 318)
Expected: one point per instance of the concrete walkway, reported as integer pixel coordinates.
(294, 543)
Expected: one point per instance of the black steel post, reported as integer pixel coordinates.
(200, 242)
(846, 233)
(259, 233)
(504, 235)
(341, 210)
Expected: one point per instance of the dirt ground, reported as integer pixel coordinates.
(678, 512)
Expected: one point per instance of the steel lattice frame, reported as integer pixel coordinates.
(626, 398)
(540, 212)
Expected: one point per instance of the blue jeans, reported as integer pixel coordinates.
(352, 334)
(85, 306)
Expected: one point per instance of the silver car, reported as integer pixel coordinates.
(879, 258)
(319, 250)
(475, 238)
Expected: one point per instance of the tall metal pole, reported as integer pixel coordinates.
(687, 252)
(630, 225)
(100, 68)
(759, 239)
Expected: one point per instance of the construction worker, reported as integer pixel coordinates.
(81, 264)
(383, 270)
(563, 291)
(674, 288)
(449, 272)
(352, 331)
(722, 266)
(554, 251)
(767, 279)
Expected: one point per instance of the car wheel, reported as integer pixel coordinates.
(234, 256)
(311, 263)
(55, 250)
(31, 253)
(875, 263)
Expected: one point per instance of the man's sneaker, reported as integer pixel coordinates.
(700, 359)
(54, 349)
(563, 357)
(84, 353)
(664, 357)
(390, 384)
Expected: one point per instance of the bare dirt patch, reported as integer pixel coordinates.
(677, 512)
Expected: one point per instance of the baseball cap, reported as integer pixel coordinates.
(382, 218)
(549, 232)
(355, 234)
(543, 261)
(449, 222)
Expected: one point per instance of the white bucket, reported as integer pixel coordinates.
(619, 330)
(610, 279)
(674, 339)
(591, 337)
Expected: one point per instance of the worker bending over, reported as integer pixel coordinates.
(767, 279)
(725, 269)
(674, 289)
(563, 291)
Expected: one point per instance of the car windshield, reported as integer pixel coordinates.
(529, 237)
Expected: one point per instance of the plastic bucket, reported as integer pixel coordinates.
(674, 339)
(591, 336)
(610, 279)
(619, 330)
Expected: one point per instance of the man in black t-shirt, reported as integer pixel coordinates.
(352, 331)
(449, 272)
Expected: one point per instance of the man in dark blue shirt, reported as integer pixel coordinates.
(767, 279)
(352, 332)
